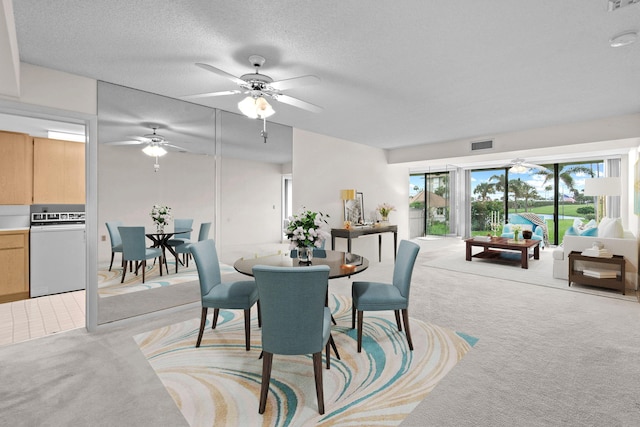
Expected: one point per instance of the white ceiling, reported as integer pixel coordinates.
(393, 73)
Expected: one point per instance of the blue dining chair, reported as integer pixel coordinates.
(116, 241)
(240, 295)
(294, 319)
(178, 225)
(203, 234)
(134, 249)
(375, 296)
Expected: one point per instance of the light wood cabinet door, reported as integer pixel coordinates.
(16, 168)
(14, 264)
(58, 171)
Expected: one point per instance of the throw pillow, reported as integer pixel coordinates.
(612, 228)
(592, 231)
(571, 231)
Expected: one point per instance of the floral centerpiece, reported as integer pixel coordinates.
(385, 209)
(516, 232)
(306, 230)
(160, 216)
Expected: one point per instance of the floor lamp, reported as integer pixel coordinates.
(601, 188)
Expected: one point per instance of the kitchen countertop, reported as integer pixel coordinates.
(14, 229)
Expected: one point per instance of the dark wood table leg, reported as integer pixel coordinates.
(395, 245)
(468, 251)
(333, 243)
(379, 247)
(349, 244)
(536, 252)
(525, 258)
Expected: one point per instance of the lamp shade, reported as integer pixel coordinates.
(255, 107)
(154, 150)
(348, 194)
(609, 186)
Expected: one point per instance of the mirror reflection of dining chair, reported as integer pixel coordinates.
(375, 296)
(203, 234)
(134, 249)
(181, 238)
(295, 320)
(116, 241)
(240, 295)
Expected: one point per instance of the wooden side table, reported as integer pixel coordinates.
(354, 233)
(609, 283)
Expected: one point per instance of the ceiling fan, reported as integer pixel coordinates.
(258, 87)
(156, 145)
(520, 166)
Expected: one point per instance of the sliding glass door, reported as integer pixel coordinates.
(429, 204)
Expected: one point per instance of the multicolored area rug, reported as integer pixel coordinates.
(219, 383)
(109, 281)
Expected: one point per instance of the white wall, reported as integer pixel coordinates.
(128, 188)
(322, 166)
(250, 203)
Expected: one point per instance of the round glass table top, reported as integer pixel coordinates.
(341, 264)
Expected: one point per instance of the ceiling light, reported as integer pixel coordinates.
(154, 150)
(254, 107)
(623, 39)
(518, 169)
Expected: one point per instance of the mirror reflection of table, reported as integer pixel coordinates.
(161, 239)
(341, 264)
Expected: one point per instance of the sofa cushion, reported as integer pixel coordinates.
(611, 228)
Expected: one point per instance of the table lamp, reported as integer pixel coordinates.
(602, 187)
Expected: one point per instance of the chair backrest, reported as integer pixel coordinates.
(133, 243)
(206, 258)
(183, 224)
(204, 231)
(292, 307)
(405, 260)
(114, 233)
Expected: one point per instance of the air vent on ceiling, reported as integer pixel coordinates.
(482, 145)
(617, 4)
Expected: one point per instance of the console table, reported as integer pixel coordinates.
(577, 276)
(355, 232)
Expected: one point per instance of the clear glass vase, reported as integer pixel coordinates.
(305, 255)
(160, 227)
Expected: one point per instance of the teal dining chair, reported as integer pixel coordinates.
(240, 295)
(183, 249)
(116, 241)
(375, 296)
(295, 320)
(134, 249)
(178, 225)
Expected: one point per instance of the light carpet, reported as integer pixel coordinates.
(219, 383)
(109, 281)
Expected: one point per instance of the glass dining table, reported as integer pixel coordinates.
(161, 240)
(341, 264)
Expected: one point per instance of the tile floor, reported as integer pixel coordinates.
(37, 317)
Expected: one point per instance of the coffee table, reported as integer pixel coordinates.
(496, 247)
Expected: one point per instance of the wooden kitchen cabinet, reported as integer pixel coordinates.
(16, 168)
(58, 171)
(14, 265)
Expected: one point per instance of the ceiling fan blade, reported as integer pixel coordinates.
(132, 141)
(286, 99)
(209, 94)
(295, 82)
(221, 73)
(534, 166)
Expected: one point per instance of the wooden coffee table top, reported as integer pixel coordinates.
(504, 243)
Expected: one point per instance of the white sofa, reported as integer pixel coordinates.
(626, 246)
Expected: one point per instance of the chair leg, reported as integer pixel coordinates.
(144, 267)
(360, 318)
(177, 262)
(397, 313)
(111, 263)
(266, 377)
(124, 272)
(259, 316)
(353, 316)
(160, 262)
(317, 370)
(335, 348)
(216, 311)
(247, 329)
(405, 319)
(203, 321)
(327, 356)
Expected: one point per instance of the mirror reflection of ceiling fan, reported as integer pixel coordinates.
(156, 145)
(258, 87)
(520, 166)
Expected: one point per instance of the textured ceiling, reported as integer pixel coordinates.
(393, 74)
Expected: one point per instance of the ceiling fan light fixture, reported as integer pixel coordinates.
(254, 107)
(154, 150)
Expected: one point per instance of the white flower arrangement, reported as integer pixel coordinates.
(306, 229)
(160, 214)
